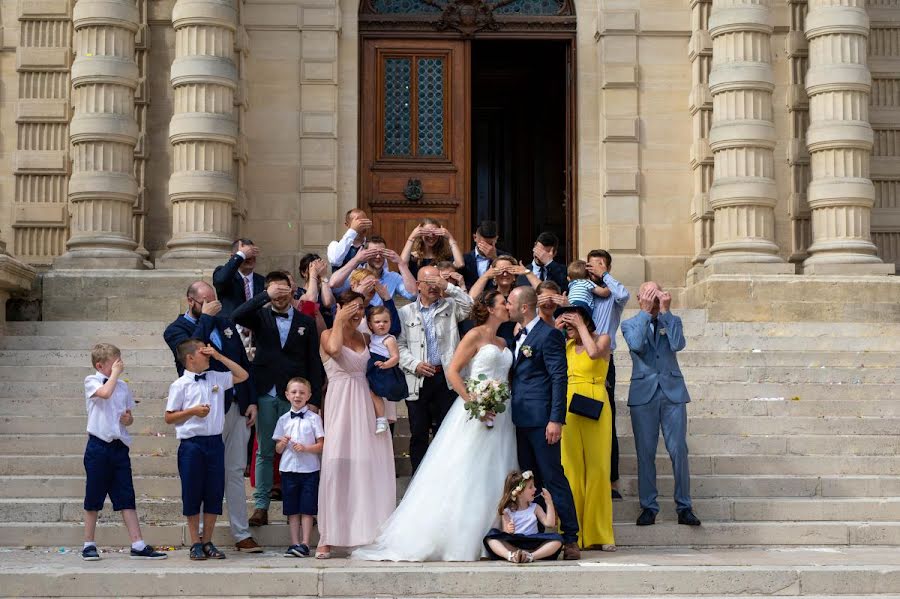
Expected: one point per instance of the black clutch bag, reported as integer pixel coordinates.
(582, 405)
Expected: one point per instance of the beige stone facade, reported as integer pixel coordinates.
(713, 136)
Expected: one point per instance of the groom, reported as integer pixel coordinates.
(538, 381)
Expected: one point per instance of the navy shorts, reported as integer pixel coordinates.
(201, 467)
(108, 470)
(300, 493)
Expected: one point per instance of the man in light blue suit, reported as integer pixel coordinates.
(657, 399)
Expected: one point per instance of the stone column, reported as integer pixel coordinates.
(103, 134)
(203, 133)
(742, 139)
(839, 140)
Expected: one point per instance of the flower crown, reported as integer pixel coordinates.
(526, 476)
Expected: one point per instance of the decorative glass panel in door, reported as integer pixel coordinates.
(413, 131)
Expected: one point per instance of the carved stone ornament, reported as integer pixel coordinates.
(413, 190)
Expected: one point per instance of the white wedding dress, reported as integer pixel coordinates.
(452, 500)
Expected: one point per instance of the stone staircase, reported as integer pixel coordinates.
(792, 435)
(792, 432)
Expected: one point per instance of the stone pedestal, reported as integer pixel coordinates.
(103, 134)
(15, 276)
(742, 139)
(840, 140)
(203, 133)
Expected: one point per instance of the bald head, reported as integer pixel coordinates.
(428, 271)
(649, 285)
(522, 304)
(198, 293)
(648, 297)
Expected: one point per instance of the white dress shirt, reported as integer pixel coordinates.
(337, 250)
(306, 430)
(103, 414)
(528, 328)
(186, 393)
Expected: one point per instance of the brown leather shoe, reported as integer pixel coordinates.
(248, 545)
(259, 518)
(571, 551)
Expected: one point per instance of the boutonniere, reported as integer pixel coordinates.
(215, 389)
(301, 330)
(228, 332)
(526, 351)
(662, 330)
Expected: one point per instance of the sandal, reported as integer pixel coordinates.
(527, 557)
(212, 552)
(610, 548)
(514, 557)
(197, 552)
(322, 554)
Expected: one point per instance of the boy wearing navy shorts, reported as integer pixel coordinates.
(107, 465)
(196, 406)
(299, 437)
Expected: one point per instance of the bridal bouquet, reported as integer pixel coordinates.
(486, 395)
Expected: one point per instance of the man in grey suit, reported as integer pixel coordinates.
(658, 400)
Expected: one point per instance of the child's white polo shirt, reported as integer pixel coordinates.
(304, 429)
(193, 389)
(103, 414)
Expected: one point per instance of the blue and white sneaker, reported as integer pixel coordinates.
(90, 554)
(148, 552)
(297, 551)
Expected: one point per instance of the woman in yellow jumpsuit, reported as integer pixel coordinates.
(587, 443)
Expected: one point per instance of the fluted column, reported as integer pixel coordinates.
(839, 139)
(742, 139)
(203, 133)
(103, 134)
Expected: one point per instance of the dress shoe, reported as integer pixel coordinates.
(646, 518)
(259, 518)
(616, 496)
(571, 551)
(688, 518)
(248, 545)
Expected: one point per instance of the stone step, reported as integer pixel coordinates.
(666, 532)
(162, 510)
(698, 390)
(698, 424)
(702, 486)
(851, 572)
(696, 376)
(733, 465)
(698, 444)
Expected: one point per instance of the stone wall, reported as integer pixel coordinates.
(646, 166)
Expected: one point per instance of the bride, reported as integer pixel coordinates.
(451, 502)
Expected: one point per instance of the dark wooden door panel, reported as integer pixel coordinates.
(414, 135)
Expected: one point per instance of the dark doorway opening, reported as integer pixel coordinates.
(520, 174)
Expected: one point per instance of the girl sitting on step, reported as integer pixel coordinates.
(520, 541)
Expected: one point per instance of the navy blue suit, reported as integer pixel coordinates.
(657, 399)
(232, 348)
(539, 383)
(229, 285)
(556, 272)
(469, 270)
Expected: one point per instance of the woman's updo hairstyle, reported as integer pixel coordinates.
(349, 296)
(486, 300)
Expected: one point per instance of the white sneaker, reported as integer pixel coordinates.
(381, 425)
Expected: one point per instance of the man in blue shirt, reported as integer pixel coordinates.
(375, 255)
(607, 314)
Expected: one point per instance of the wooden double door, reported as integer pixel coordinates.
(463, 130)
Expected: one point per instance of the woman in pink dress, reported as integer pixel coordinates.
(358, 488)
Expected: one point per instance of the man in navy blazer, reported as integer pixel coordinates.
(539, 380)
(476, 262)
(544, 266)
(202, 321)
(287, 346)
(658, 400)
(235, 281)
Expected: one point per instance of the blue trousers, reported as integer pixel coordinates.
(646, 422)
(546, 462)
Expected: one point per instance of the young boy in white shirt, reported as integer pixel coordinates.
(196, 406)
(107, 465)
(299, 437)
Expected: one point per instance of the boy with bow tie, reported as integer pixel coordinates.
(287, 346)
(196, 406)
(299, 437)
